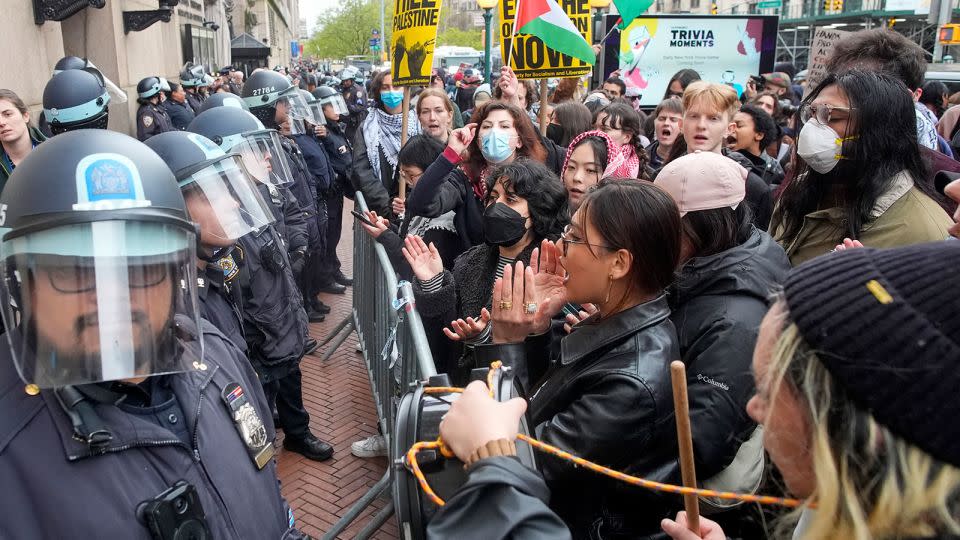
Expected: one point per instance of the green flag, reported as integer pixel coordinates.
(630, 10)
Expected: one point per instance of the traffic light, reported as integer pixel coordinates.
(713, 8)
(949, 34)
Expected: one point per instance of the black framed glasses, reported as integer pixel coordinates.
(79, 279)
(823, 113)
(565, 241)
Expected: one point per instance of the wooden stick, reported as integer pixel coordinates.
(403, 134)
(678, 374)
(513, 34)
(543, 107)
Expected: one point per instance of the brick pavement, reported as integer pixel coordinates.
(337, 395)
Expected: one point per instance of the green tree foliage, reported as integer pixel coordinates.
(460, 38)
(346, 31)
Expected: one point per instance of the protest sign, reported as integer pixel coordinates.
(530, 58)
(821, 47)
(413, 40)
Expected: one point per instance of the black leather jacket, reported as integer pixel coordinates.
(604, 395)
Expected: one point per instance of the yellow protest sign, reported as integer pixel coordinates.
(531, 59)
(414, 36)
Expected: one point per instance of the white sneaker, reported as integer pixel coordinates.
(372, 446)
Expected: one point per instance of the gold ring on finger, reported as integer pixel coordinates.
(506, 305)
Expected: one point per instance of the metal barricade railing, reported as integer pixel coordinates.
(395, 352)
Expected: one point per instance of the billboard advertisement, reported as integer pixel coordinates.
(722, 49)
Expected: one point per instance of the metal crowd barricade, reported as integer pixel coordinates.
(395, 351)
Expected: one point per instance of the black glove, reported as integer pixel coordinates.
(298, 259)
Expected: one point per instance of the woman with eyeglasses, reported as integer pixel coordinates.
(525, 203)
(601, 392)
(858, 171)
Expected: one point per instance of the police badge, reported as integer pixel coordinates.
(248, 424)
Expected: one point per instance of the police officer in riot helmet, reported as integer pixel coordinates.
(340, 153)
(134, 417)
(261, 273)
(75, 99)
(223, 201)
(191, 77)
(356, 99)
(152, 119)
(223, 99)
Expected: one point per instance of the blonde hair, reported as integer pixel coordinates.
(870, 484)
(717, 97)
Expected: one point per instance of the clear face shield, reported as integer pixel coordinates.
(297, 110)
(262, 155)
(101, 301)
(223, 200)
(316, 110)
(116, 94)
(339, 105)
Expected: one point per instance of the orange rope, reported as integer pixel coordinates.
(411, 459)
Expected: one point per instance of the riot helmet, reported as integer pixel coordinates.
(267, 93)
(315, 112)
(237, 131)
(328, 96)
(220, 195)
(148, 87)
(98, 264)
(74, 62)
(69, 62)
(223, 99)
(349, 73)
(75, 99)
(191, 76)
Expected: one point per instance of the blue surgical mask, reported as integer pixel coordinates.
(392, 98)
(495, 145)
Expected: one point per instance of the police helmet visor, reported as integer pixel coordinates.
(101, 301)
(297, 107)
(262, 155)
(117, 95)
(336, 101)
(224, 201)
(317, 110)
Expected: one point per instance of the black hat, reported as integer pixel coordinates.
(226, 70)
(886, 324)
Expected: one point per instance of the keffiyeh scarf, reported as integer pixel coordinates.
(382, 130)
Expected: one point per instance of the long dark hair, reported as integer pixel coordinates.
(640, 217)
(573, 118)
(684, 77)
(714, 231)
(544, 192)
(885, 124)
(622, 116)
(530, 140)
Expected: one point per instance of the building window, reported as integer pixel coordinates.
(675, 5)
(694, 4)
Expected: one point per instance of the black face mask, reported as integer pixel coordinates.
(555, 133)
(503, 226)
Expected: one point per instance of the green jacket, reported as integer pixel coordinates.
(5, 171)
(903, 215)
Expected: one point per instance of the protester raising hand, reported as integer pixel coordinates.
(460, 139)
(520, 308)
(424, 260)
(469, 328)
(509, 84)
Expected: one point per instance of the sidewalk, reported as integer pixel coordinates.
(337, 395)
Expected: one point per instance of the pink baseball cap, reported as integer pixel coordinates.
(703, 181)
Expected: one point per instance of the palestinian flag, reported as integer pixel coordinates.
(630, 10)
(546, 20)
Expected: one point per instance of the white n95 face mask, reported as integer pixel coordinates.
(820, 146)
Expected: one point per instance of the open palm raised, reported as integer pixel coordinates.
(424, 260)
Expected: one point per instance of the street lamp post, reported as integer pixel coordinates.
(487, 6)
(599, 7)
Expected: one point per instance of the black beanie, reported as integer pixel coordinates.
(886, 324)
